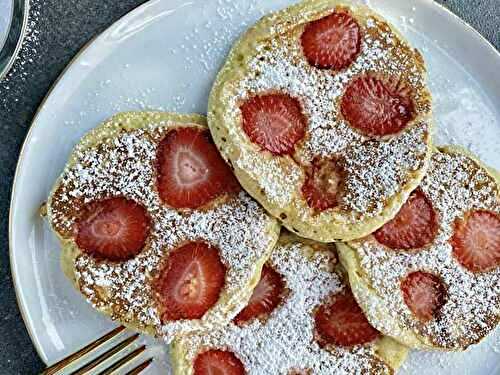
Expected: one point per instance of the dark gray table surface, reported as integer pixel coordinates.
(60, 29)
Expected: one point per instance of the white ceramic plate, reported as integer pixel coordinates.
(164, 55)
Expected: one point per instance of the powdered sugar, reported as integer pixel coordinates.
(278, 64)
(274, 188)
(286, 340)
(455, 184)
(123, 165)
(385, 165)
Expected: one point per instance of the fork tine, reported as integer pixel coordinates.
(137, 370)
(85, 350)
(107, 354)
(122, 362)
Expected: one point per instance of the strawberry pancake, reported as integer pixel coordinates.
(155, 229)
(430, 277)
(301, 319)
(324, 113)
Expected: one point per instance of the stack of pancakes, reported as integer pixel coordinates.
(320, 120)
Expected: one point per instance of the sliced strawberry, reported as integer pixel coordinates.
(191, 282)
(275, 122)
(190, 170)
(341, 322)
(114, 229)
(323, 183)
(218, 362)
(377, 106)
(424, 294)
(300, 372)
(265, 297)
(414, 226)
(332, 42)
(476, 241)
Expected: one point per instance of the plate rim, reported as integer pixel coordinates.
(23, 309)
(23, 7)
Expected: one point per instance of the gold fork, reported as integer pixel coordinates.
(122, 351)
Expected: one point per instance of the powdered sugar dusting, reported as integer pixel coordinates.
(209, 46)
(455, 184)
(278, 64)
(123, 165)
(274, 188)
(285, 341)
(385, 165)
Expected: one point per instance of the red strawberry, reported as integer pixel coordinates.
(332, 42)
(424, 294)
(191, 282)
(218, 362)
(190, 170)
(322, 185)
(377, 106)
(266, 296)
(341, 322)
(299, 372)
(275, 122)
(114, 229)
(414, 226)
(476, 241)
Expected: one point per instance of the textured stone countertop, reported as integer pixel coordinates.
(60, 29)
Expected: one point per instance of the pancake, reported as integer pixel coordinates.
(430, 278)
(155, 231)
(324, 112)
(283, 330)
